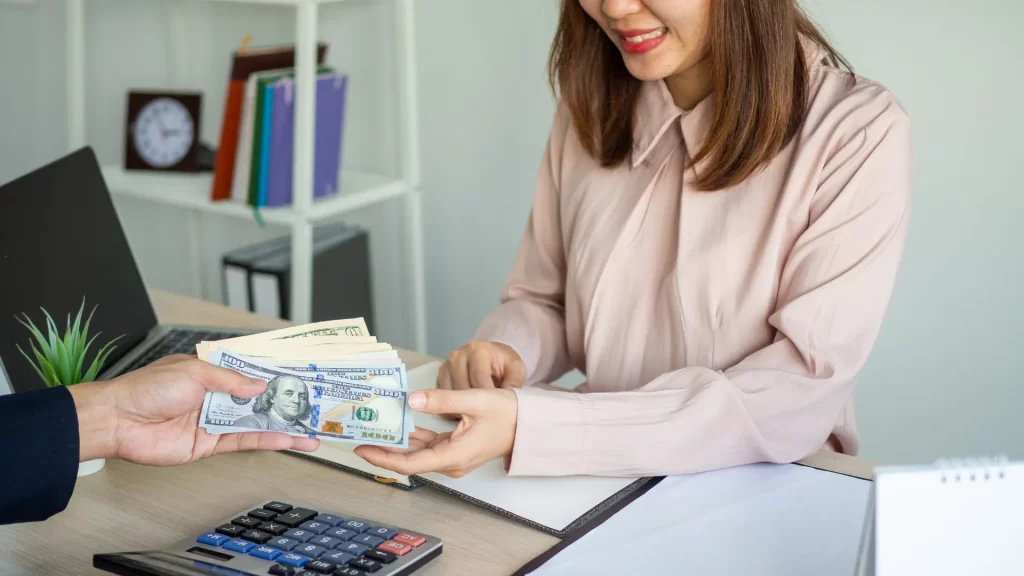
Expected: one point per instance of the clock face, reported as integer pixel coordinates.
(164, 131)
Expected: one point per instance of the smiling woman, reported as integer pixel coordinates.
(718, 221)
(747, 54)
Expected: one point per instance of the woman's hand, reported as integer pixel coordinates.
(482, 364)
(151, 415)
(486, 431)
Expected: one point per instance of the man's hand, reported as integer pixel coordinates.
(151, 416)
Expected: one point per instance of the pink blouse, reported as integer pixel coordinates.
(715, 329)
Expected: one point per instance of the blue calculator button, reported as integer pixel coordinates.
(353, 548)
(368, 539)
(329, 519)
(282, 543)
(293, 559)
(265, 552)
(356, 526)
(341, 534)
(339, 558)
(326, 541)
(300, 535)
(239, 545)
(311, 550)
(315, 527)
(382, 532)
(212, 538)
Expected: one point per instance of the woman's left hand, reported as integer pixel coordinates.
(486, 431)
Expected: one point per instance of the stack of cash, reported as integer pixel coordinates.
(329, 380)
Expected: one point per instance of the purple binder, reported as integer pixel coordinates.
(330, 115)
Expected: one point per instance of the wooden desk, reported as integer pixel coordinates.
(130, 507)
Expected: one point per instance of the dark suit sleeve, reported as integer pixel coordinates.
(39, 434)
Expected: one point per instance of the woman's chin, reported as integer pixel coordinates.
(646, 68)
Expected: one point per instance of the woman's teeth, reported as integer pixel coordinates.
(643, 37)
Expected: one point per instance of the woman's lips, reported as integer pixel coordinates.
(641, 41)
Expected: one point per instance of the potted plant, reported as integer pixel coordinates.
(59, 360)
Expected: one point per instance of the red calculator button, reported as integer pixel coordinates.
(410, 539)
(395, 547)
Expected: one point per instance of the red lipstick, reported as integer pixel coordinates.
(645, 45)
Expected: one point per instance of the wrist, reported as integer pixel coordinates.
(506, 457)
(97, 420)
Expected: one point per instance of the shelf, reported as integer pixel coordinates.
(358, 190)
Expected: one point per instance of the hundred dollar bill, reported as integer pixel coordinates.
(310, 403)
(350, 327)
(386, 374)
(383, 374)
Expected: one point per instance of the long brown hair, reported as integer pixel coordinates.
(759, 76)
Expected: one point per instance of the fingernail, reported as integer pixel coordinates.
(417, 400)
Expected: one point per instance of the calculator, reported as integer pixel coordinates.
(284, 539)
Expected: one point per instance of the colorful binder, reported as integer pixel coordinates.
(242, 65)
(329, 130)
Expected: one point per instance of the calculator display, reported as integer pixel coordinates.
(157, 563)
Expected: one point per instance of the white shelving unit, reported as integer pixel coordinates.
(359, 190)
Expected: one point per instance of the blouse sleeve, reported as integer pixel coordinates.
(780, 403)
(531, 316)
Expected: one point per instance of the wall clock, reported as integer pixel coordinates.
(163, 131)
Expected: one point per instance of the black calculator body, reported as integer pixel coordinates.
(279, 538)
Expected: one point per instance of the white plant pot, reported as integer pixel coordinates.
(90, 466)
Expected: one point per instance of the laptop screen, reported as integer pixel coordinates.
(61, 242)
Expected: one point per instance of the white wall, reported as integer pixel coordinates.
(131, 45)
(942, 378)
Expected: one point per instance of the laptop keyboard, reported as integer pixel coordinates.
(178, 341)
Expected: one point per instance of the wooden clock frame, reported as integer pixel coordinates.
(137, 100)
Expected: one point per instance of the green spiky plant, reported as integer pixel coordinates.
(60, 360)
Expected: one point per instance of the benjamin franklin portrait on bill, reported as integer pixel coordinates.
(281, 407)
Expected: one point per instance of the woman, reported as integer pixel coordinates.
(715, 234)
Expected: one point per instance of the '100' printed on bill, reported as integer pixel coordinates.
(312, 403)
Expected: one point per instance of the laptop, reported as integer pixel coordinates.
(61, 242)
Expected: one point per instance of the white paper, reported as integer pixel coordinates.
(966, 520)
(554, 502)
(764, 519)
(266, 296)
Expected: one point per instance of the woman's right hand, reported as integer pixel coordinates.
(482, 364)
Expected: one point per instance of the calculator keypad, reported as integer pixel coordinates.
(278, 507)
(311, 550)
(296, 517)
(297, 541)
(273, 528)
(261, 514)
(316, 527)
(256, 536)
(321, 566)
(247, 522)
(231, 530)
(300, 535)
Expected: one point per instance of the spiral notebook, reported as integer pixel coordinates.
(956, 517)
